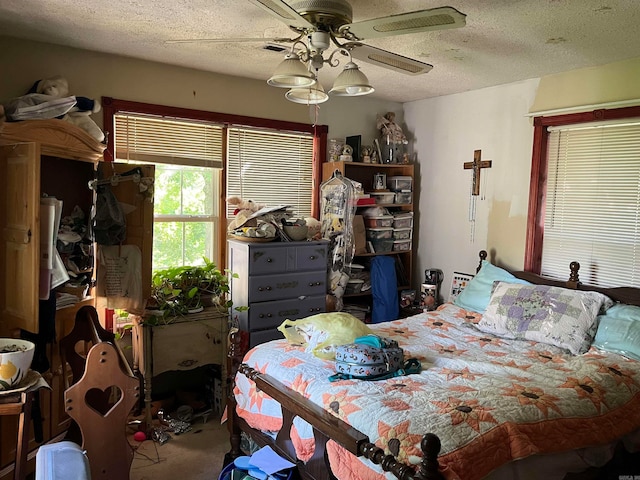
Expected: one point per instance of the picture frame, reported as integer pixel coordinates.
(355, 143)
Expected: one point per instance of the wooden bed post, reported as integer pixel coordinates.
(234, 359)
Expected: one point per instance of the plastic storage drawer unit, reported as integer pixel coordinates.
(403, 220)
(379, 233)
(385, 198)
(383, 245)
(399, 183)
(403, 197)
(401, 245)
(376, 222)
(402, 233)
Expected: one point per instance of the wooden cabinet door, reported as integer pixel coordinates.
(139, 221)
(19, 217)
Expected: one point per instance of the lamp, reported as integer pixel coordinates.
(351, 81)
(293, 72)
(311, 95)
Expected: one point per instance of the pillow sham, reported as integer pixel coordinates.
(557, 316)
(619, 331)
(477, 293)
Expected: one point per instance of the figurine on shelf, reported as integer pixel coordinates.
(347, 151)
(366, 154)
(391, 130)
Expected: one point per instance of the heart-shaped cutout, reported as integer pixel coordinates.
(103, 401)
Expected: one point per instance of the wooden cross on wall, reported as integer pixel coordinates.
(476, 165)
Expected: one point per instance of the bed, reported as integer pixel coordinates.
(496, 398)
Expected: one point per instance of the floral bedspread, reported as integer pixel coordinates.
(488, 399)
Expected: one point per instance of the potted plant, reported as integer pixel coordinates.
(187, 289)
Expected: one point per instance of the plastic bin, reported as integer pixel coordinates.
(354, 285)
(379, 233)
(402, 233)
(375, 222)
(401, 245)
(225, 474)
(403, 197)
(400, 183)
(383, 198)
(403, 220)
(382, 245)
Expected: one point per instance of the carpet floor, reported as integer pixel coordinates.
(194, 455)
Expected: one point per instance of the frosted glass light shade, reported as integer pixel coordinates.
(351, 82)
(309, 95)
(291, 73)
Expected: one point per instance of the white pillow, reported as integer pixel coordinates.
(553, 315)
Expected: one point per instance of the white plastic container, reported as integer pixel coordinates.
(383, 198)
(403, 220)
(401, 183)
(401, 245)
(403, 197)
(379, 233)
(402, 233)
(354, 285)
(62, 461)
(376, 222)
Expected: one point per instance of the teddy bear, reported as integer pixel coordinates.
(79, 114)
(243, 211)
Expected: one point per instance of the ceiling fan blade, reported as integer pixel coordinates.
(284, 13)
(411, 22)
(392, 61)
(231, 40)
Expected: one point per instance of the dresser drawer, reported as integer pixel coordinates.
(256, 338)
(290, 285)
(270, 259)
(271, 314)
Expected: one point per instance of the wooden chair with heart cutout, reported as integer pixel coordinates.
(103, 426)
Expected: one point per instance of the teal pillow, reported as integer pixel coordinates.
(619, 331)
(477, 293)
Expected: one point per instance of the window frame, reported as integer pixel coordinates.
(539, 170)
(112, 106)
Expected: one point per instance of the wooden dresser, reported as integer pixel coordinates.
(182, 344)
(277, 281)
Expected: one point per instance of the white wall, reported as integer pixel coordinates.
(447, 130)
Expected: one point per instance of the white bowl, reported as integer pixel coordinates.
(14, 365)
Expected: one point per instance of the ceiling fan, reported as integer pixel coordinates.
(323, 22)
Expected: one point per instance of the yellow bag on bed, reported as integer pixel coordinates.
(322, 333)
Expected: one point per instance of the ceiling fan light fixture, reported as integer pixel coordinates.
(351, 82)
(312, 95)
(291, 73)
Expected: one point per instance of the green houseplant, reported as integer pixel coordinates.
(180, 290)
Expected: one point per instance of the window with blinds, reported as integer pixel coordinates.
(188, 156)
(271, 167)
(593, 203)
(265, 165)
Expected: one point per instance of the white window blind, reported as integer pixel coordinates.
(593, 204)
(163, 140)
(270, 167)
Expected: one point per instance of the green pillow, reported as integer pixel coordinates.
(619, 331)
(477, 293)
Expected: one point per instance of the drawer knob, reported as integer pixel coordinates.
(269, 260)
(268, 289)
(260, 289)
(261, 315)
(312, 257)
(269, 315)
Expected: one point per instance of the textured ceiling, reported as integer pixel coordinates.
(503, 40)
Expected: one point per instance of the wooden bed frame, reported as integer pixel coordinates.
(326, 426)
